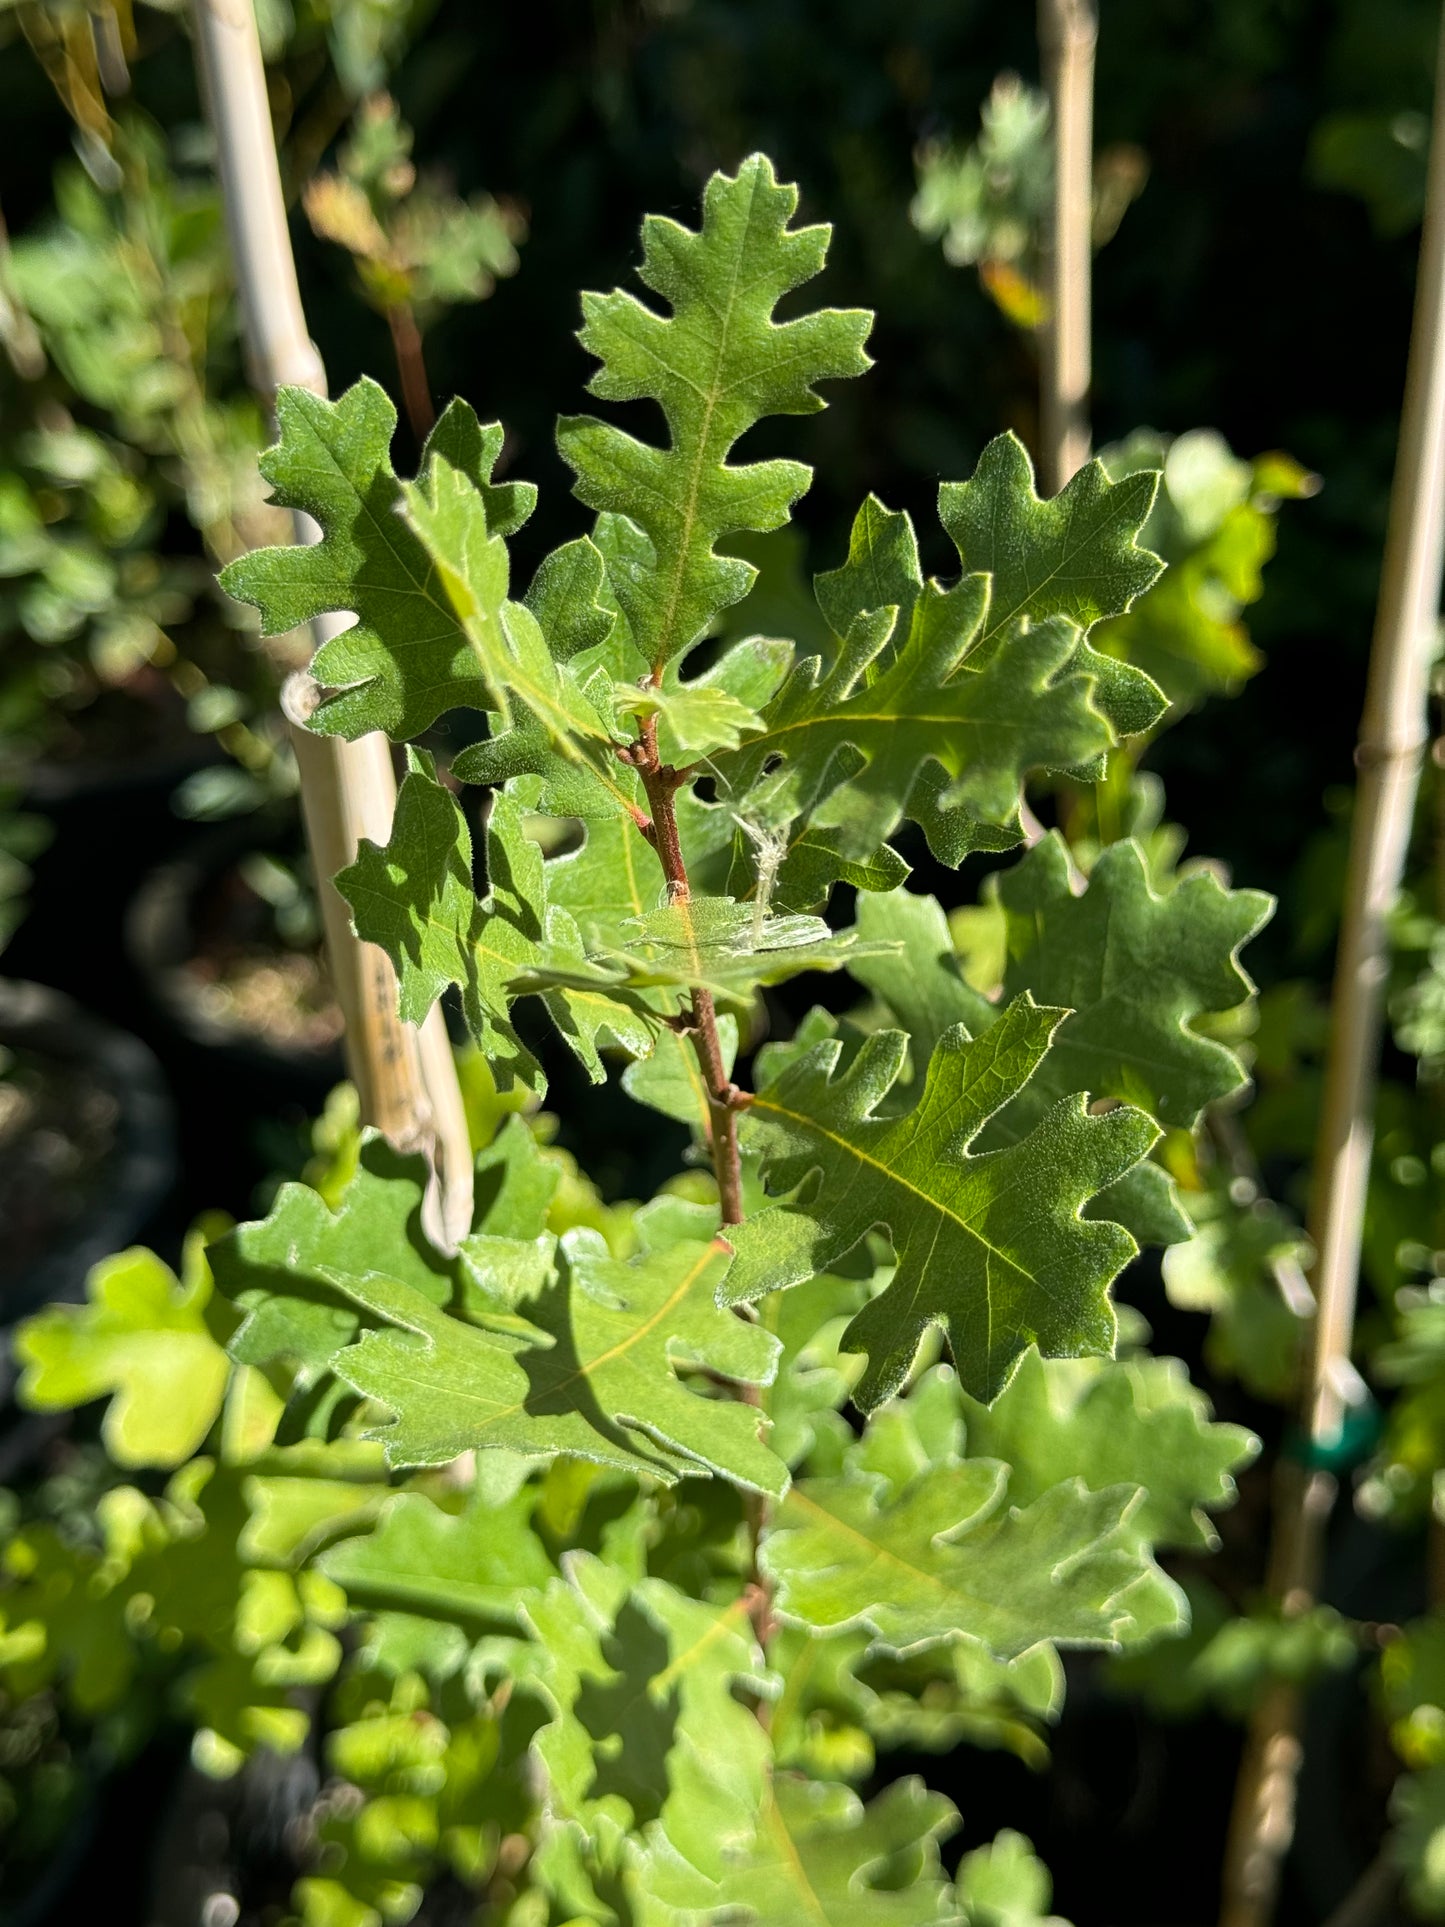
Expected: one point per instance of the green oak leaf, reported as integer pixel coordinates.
(693, 719)
(278, 1271)
(477, 1563)
(882, 570)
(1005, 1884)
(1135, 967)
(142, 1338)
(1136, 1422)
(514, 1184)
(1132, 1034)
(947, 1558)
(415, 899)
(408, 657)
(590, 1364)
(1076, 556)
(913, 719)
(300, 1497)
(709, 943)
(565, 596)
(649, 1737)
(824, 1858)
(447, 513)
(990, 1245)
(716, 365)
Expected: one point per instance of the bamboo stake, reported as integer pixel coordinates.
(406, 1079)
(1068, 31)
(1391, 743)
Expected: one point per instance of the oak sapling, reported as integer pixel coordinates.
(719, 1518)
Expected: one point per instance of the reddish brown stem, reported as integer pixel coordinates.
(661, 783)
(411, 367)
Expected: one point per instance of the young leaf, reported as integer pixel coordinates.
(477, 1564)
(990, 1245)
(142, 1337)
(414, 898)
(277, 1271)
(947, 1559)
(716, 365)
(712, 943)
(822, 1857)
(1077, 556)
(1005, 1884)
(1139, 1423)
(694, 719)
(929, 727)
(408, 657)
(469, 568)
(586, 1365)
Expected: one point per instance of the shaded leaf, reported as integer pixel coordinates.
(588, 1364)
(947, 1558)
(1139, 1423)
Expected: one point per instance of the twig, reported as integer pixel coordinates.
(723, 1097)
(1392, 736)
(407, 1081)
(1068, 30)
(411, 368)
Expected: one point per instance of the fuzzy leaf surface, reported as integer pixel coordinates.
(948, 1558)
(914, 720)
(1077, 555)
(585, 1363)
(408, 657)
(990, 1245)
(1135, 969)
(1136, 1422)
(415, 899)
(715, 365)
(824, 1858)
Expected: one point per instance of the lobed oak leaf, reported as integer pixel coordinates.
(408, 657)
(991, 1245)
(716, 365)
(142, 1338)
(823, 1857)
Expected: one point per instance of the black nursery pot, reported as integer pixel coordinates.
(193, 921)
(87, 1145)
